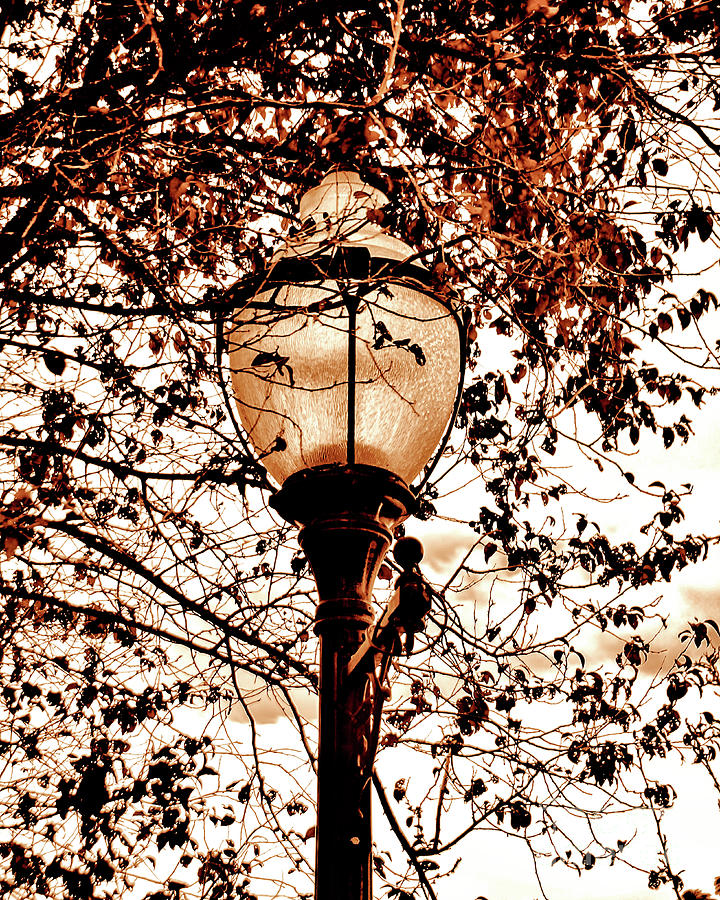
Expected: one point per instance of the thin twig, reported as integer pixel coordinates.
(396, 31)
(406, 845)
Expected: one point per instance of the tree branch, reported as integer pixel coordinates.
(400, 834)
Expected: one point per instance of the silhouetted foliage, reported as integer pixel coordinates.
(549, 164)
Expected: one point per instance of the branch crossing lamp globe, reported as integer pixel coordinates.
(346, 368)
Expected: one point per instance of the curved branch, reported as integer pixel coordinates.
(123, 470)
(400, 834)
(224, 628)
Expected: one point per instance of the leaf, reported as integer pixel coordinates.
(518, 373)
(705, 226)
(273, 358)
(156, 343)
(684, 317)
(381, 336)
(542, 7)
(519, 816)
(177, 187)
(54, 361)
(418, 353)
(264, 358)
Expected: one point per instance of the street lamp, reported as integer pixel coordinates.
(345, 367)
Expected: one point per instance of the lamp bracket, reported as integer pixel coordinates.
(404, 615)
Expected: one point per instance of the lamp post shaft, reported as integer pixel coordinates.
(343, 838)
(347, 514)
(345, 553)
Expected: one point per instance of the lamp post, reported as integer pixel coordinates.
(345, 369)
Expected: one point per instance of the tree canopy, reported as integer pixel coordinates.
(553, 166)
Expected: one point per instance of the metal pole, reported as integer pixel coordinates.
(347, 514)
(345, 554)
(352, 308)
(343, 838)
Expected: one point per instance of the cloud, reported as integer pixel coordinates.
(267, 707)
(701, 601)
(444, 548)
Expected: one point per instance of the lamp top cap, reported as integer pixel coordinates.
(340, 193)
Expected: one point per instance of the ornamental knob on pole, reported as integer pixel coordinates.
(346, 369)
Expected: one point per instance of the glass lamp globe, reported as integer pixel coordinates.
(344, 355)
